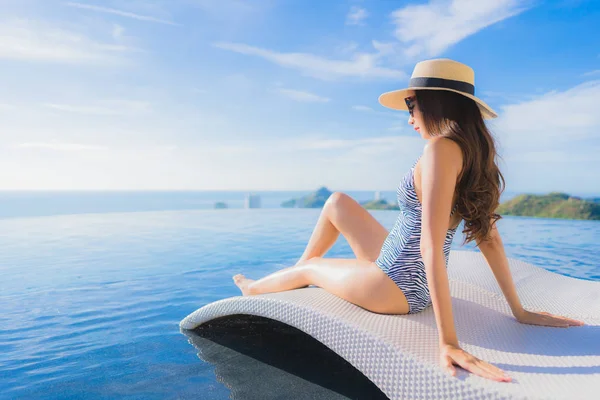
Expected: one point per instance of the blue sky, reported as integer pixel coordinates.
(282, 94)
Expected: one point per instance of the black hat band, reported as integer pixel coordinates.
(443, 83)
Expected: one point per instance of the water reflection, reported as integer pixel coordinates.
(259, 358)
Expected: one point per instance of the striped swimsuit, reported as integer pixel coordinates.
(400, 256)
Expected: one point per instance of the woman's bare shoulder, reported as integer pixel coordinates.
(444, 150)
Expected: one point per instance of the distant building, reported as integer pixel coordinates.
(252, 201)
(377, 196)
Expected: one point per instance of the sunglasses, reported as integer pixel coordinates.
(410, 104)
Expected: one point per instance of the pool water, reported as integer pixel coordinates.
(91, 302)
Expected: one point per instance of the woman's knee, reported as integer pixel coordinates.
(336, 198)
(338, 201)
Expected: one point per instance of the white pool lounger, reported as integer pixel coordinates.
(399, 353)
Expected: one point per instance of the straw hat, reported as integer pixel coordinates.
(438, 74)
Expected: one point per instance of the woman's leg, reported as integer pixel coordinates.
(360, 282)
(342, 214)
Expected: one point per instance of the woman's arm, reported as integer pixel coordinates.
(440, 165)
(493, 251)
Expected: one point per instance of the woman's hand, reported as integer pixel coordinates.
(546, 319)
(450, 354)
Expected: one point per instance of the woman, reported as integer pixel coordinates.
(455, 179)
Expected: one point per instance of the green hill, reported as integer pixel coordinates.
(552, 205)
(379, 205)
(314, 200)
(318, 199)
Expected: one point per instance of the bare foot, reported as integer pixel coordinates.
(242, 282)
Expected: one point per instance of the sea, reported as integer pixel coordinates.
(93, 286)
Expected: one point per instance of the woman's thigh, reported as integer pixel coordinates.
(364, 233)
(360, 282)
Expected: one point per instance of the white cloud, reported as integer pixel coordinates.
(356, 16)
(224, 15)
(120, 13)
(508, 97)
(229, 6)
(117, 32)
(114, 107)
(355, 144)
(422, 30)
(362, 64)
(37, 41)
(551, 142)
(553, 118)
(268, 164)
(346, 48)
(592, 73)
(299, 95)
(362, 108)
(373, 163)
(60, 146)
(429, 29)
(384, 48)
(370, 110)
(7, 107)
(317, 143)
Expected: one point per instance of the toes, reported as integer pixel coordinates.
(238, 278)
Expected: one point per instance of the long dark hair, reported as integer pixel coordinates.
(480, 183)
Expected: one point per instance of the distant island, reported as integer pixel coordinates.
(220, 205)
(314, 200)
(318, 199)
(379, 205)
(552, 205)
